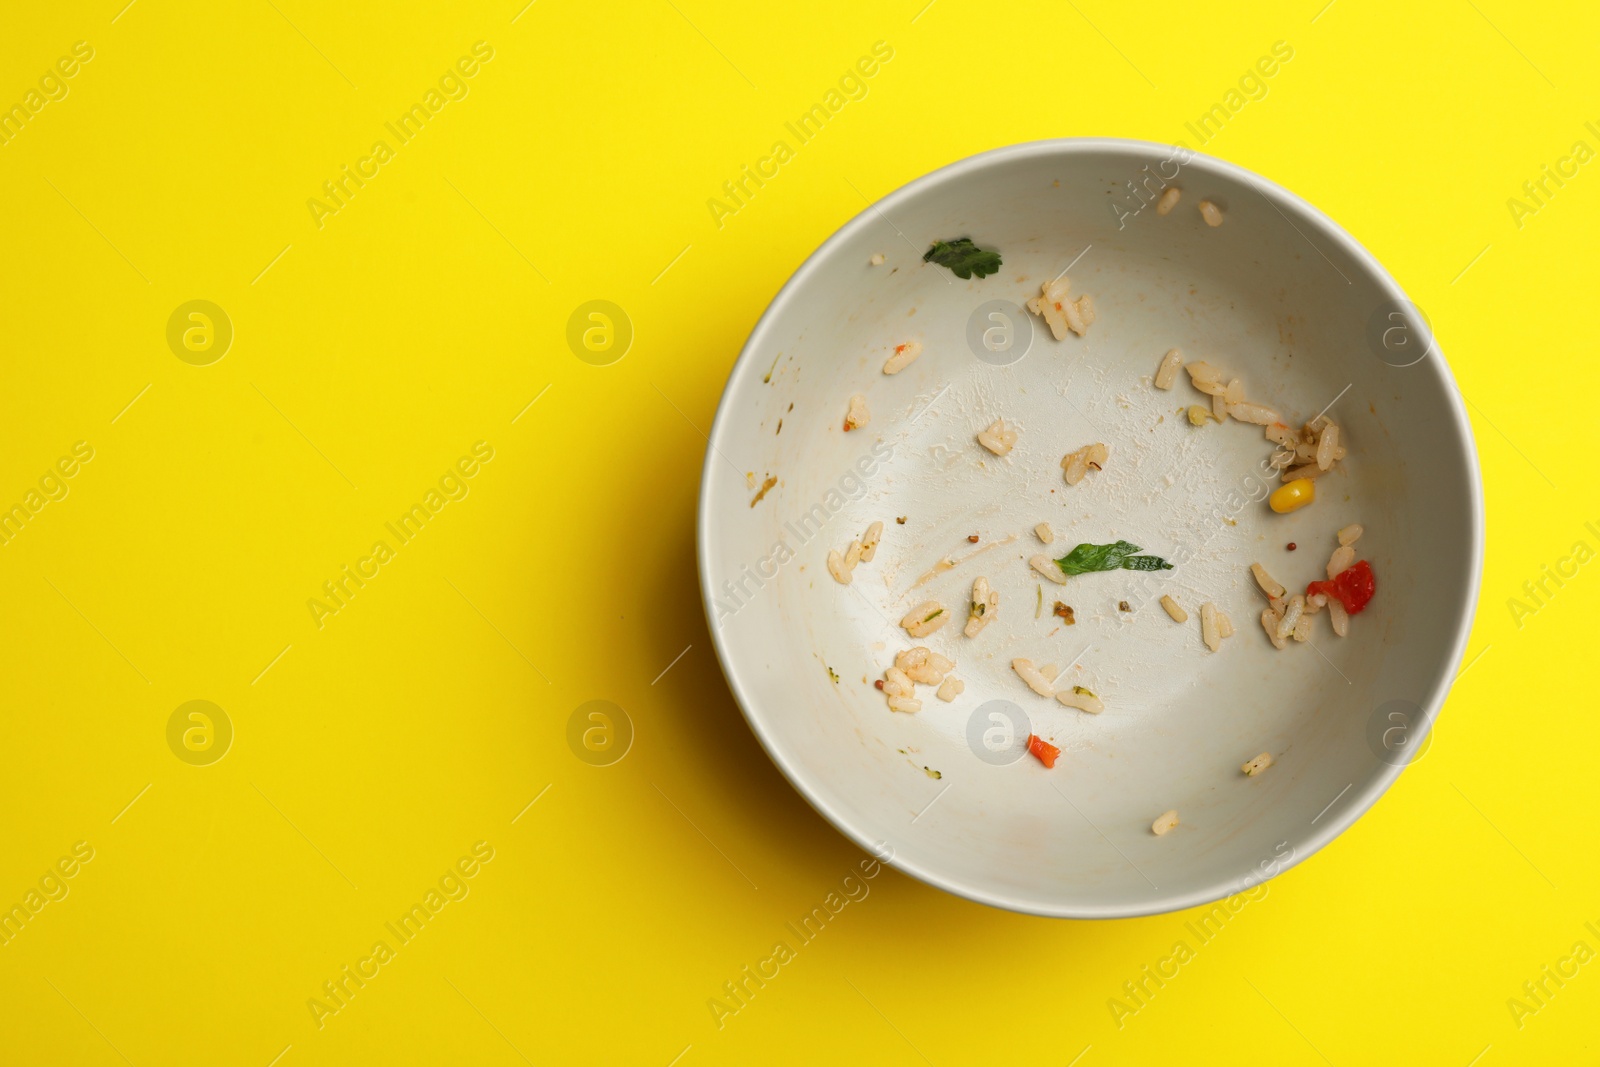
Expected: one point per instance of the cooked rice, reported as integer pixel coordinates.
(857, 416)
(904, 704)
(869, 542)
(1338, 616)
(1167, 372)
(925, 618)
(1269, 623)
(1224, 625)
(1201, 371)
(1077, 464)
(1349, 535)
(923, 666)
(1291, 616)
(1044, 533)
(1279, 434)
(1341, 560)
(1047, 567)
(984, 607)
(852, 556)
(1268, 584)
(1168, 201)
(1327, 446)
(896, 683)
(1302, 627)
(1164, 822)
(998, 438)
(1258, 414)
(1061, 314)
(1310, 470)
(1208, 626)
(877, 259)
(950, 688)
(1219, 407)
(836, 567)
(1256, 766)
(1032, 675)
(1082, 699)
(1315, 603)
(1171, 607)
(1211, 213)
(904, 355)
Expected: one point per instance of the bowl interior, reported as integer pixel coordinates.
(1277, 297)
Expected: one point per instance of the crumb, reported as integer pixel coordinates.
(973, 538)
(1291, 546)
(1122, 605)
(931, 773)
(1065, 612)
(878, 684)
(901, 520)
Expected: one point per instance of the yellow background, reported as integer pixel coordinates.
(425, 716)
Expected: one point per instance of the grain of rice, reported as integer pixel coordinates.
(1211, 213)
(1047, 567)
(877, 259)
(1269, 623)
(1082, 699)
(896, 683)
(1256, 766)
(1202, 371)
(1342, 558)
(1302, 627)
(1168, 201)
(1167, 371)
(1339, 617)
(1060, 313)
(836, 567)
(1044, 533)
(1077, 464)
(925, 618)
(1031, 674)
(1235, 392)
(852, 556)
(1315, 603)
(1211, 388)
(1310, 470)
(1219, 407)
(1259, 414)
(904, 704)
(1268, 584)
(922, 665)
(998, 438)
(869, 542)
(950, 688)
(984, 607)
(1208, 626)
(1291, 616)
(1224, 625)
(857, 416)
(1164, 822)
(1279, 434)
(904, 355)
(1171, 607)
(1326, 446)
(1281, 459)
(1349, 535)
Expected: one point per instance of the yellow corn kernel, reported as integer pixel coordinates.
(1292, 495)
(1199, 416)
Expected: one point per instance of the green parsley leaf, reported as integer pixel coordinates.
(1087, 558)
(963, 258)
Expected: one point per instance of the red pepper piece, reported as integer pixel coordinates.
(1043, 750)
(1353, 587)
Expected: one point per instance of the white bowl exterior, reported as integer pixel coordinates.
(1278, 296)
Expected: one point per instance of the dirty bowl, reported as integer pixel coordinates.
(1278, 297)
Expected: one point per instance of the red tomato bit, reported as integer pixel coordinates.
(1352, 587)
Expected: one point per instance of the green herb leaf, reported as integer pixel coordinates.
(1086, 559)
(963, 258)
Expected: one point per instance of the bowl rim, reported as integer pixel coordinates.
(1284, 201)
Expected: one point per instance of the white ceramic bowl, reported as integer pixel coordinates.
(1278, 296)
